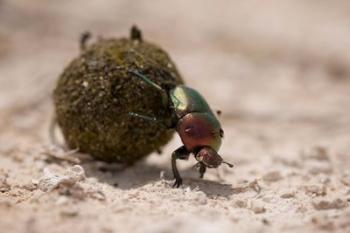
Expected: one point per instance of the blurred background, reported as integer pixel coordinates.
(278, 70)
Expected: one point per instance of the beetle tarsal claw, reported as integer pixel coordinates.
(177, 183)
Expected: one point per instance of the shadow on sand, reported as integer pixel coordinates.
(142, 173)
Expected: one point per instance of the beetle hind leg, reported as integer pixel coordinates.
(154, 85)
(164, 123)
(180, 153)
(84, 37)
(147, 118)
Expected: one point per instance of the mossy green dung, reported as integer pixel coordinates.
(95, 94)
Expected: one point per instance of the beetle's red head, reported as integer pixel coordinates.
(209, 157)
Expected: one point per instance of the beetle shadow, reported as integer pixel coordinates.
(143, 173)
(209, 187)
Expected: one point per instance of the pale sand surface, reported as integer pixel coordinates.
(278, 70)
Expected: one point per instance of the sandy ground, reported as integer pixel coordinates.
(278, 70)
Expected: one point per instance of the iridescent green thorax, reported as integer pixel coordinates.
(186, 100)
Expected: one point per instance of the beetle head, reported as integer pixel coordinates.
(210, 158)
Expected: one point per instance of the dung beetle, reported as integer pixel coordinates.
(199, 129)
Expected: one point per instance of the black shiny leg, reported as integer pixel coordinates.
(180, 153)
(84, 37)
(202, 170)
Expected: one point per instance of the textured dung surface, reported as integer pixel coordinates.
(279, 72)
(96, 93)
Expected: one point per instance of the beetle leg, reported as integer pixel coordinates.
(202, 170)
(201, 167)
(84, 37)
(148, 118)
(152, 84)
(151, 119)
(180, 153)
(135, 33)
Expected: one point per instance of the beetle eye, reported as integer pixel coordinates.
(221, 133)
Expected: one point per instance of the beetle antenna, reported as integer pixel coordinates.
(228, 164)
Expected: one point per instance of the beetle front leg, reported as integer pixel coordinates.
(180, 153)
(202, 170)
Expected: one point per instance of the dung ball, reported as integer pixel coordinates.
(96, 95)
